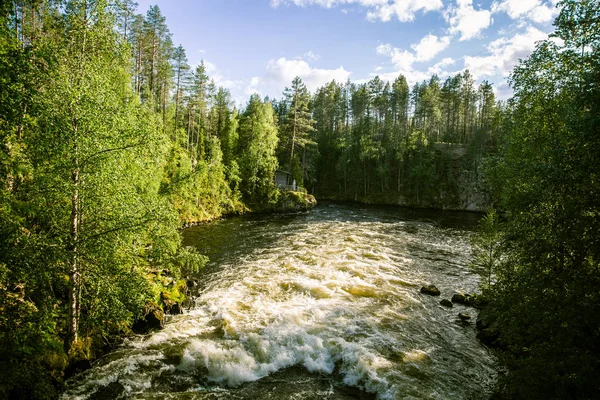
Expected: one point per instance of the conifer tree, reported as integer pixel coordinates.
(297, 129)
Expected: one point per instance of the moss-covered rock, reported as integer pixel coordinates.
(287, 201)
(153, 319)
(290, 201)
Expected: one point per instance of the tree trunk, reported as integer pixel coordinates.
(177, 94)
(73, 249)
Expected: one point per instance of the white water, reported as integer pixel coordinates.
(335, 292)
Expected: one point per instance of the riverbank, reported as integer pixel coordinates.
(172, 291)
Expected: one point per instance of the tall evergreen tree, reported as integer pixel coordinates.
(297, 129)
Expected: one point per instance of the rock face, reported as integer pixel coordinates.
(430, 290)
(153, 320)
(446, 303)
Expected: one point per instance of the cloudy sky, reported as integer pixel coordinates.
(261, 45)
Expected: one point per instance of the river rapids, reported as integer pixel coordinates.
(323, 305)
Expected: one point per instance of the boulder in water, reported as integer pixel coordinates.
(464, 317)
(430, 290)
(152, 320)
(172, 307)
(191, 283)
(463, 298)
(446, 303)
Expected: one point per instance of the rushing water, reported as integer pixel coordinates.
(324, 305)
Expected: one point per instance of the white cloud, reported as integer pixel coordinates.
(211, 69)
(439, 67)
(404, 10)
(220, 80)
(467, 21)
(280, 73)
(504, 54)
(430, 46)
(311, 55)
(384, 10)
(533, 10)
(403, 61)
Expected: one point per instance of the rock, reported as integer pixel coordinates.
(446, 303)
(153, 320)
(464, 317)
(191, 283)
(171, 307)
(462, 298)
(430, 290)
(176, 309)
(77, 367)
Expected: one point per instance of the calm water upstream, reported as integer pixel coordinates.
(324, 305)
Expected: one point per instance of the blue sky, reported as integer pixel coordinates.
(260, 45)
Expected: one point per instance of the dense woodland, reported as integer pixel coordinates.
(110, 142)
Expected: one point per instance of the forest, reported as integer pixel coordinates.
(111, 142)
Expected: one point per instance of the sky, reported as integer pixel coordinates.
(259, 46)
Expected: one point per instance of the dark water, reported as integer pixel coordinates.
(323, 305)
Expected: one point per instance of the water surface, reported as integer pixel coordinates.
(322, 305)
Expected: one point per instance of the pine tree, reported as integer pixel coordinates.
(296, 132)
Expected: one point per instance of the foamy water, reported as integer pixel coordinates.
(334, 292)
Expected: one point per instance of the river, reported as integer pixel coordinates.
(321, 305)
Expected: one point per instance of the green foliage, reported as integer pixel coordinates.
(188, 261)
(257, 144)
(381, 142)
(487, 249)
(546, 288)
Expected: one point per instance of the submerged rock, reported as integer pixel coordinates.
(446, 303)
(430, 290)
